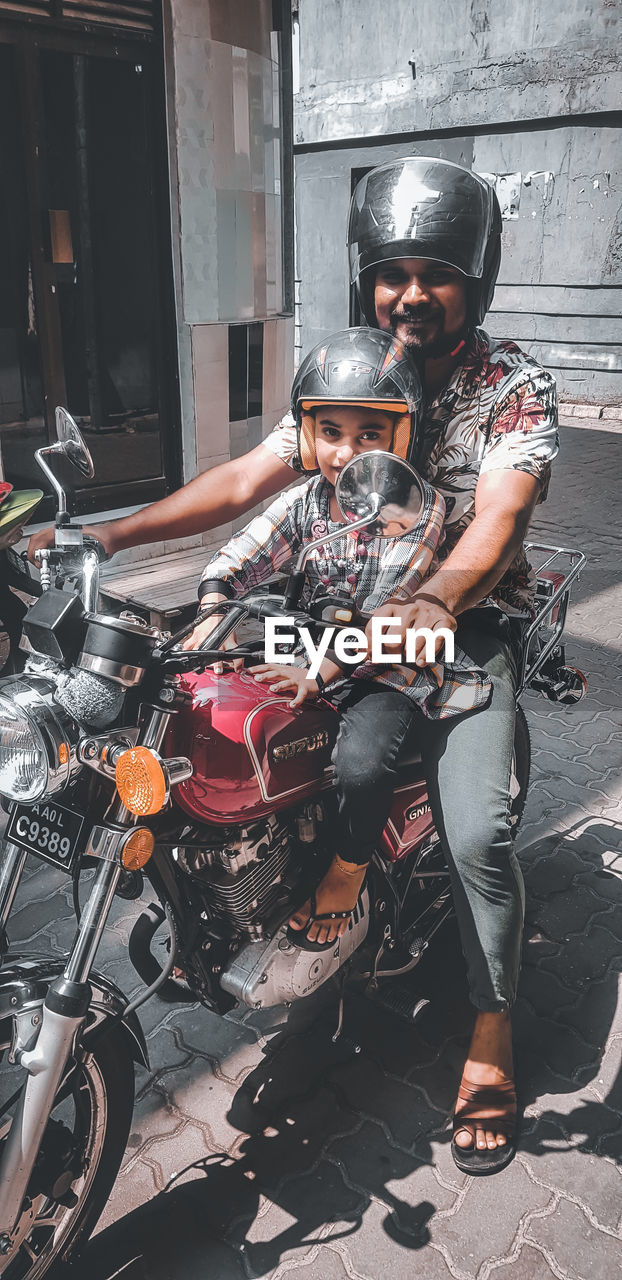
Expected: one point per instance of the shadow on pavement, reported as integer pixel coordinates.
(296, 1109)
(568, 994)
(327, 1132)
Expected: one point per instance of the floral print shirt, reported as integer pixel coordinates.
(497, 412)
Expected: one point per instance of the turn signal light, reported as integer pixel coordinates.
(137, 849)
(141, 782)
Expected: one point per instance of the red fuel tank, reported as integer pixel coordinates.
(252, 754)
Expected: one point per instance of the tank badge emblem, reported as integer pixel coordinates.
(299, 747)
(417, 811)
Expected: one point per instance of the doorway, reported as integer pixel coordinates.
(86, 309)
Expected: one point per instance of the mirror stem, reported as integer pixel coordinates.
(296, 579)
(47, 471)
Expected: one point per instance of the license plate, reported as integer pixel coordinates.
(48, 830)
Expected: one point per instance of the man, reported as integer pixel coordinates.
(424, 242)
(425, 250)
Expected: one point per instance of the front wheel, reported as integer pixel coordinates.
(79, 1157)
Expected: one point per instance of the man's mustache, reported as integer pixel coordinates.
(414, 315)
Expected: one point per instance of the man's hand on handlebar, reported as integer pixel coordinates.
(44, 540)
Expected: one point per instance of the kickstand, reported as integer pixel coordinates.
(338, 1033)
(339, 1028)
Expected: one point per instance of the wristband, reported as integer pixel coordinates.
(213, 585)
(344, 666)
(320, 685)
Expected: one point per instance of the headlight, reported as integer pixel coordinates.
(37, 740)
(23, 763)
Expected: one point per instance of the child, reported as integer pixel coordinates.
(357, 391)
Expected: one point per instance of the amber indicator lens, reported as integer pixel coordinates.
(137, 849)
(141, 782)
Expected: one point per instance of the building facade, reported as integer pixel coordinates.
(229, 94)
(146, 246)
(525, 95)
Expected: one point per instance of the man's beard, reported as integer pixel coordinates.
(434, 348)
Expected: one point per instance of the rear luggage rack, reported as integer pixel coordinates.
(555, 574)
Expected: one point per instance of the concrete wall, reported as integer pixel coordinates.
(477, 62)
(225, 139)
(518, 94)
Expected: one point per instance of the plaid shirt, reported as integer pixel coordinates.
(383, 569)
(498, 412)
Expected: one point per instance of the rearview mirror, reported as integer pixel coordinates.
(71, 446)
(73, 443)
(383, 488)
(375, 491)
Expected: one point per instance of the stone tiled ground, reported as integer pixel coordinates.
(262, 1150)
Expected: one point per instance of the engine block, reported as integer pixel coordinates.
(241, 872)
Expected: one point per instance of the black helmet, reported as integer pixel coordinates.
(358, 366)
(420, 207)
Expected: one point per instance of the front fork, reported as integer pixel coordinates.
(11, 869)
(65, 1007)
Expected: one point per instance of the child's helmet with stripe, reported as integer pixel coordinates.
(358, 367)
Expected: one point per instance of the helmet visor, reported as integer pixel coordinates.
(383, 406)
(420, 208)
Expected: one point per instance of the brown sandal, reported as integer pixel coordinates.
(485, 1106)
(300, 937)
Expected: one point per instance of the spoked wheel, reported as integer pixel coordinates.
(79, 1157)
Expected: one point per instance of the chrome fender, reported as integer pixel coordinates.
(24, 982)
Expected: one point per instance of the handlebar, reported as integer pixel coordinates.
(175, 661)
(252, 607)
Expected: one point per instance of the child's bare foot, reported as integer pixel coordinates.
(338, 892)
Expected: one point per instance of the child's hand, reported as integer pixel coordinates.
(203, 631)
(287, 678)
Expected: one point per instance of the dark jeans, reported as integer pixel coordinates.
(467, 761)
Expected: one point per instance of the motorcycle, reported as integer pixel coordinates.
(123, 753)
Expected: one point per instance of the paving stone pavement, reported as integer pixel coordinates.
(260, 1149)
